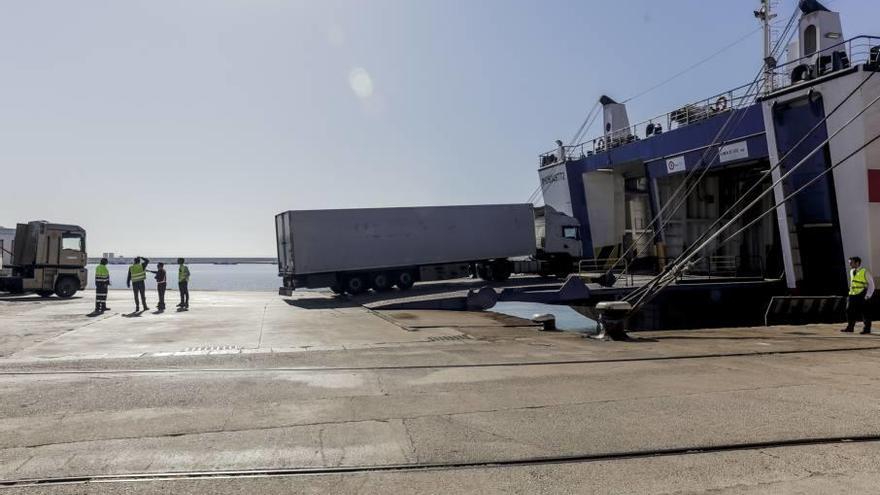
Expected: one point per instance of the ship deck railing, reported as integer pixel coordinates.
(682, 116)
(860, 50)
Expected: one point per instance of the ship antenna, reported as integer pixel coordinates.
(765, 15)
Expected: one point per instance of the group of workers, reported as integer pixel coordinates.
(137, 276)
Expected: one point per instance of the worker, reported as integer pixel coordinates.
(102, 283)
(861, 288)
(137, 276)
(183, 283)
(161, 284)
(560, 151)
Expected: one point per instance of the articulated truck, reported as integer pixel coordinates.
(47, 258)
(354, 250)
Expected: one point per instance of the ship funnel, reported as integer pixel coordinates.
(615, 120)
(818, 30)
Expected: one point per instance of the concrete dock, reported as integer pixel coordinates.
(251, 392)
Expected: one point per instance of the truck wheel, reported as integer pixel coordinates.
(404, 280)
(66, 287)
(45, 293)
(355, 284)
(486, 271)
(501, 270)
(381, 282)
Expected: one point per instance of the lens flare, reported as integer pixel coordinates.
(361, 82)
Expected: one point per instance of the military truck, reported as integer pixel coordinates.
(47, 258)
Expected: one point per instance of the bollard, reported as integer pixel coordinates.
(547, 321)
(612, 320)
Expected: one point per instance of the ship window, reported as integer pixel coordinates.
(570, 233)
(810, 40)
(73, 242)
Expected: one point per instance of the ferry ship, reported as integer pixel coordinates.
(787, 166)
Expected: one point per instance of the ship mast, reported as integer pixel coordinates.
(765, 15)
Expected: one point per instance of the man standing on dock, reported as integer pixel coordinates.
(861, 288)
(183, 284)
(161, 284)
(102, 283)
(137, 276)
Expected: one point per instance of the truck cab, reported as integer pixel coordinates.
(47, 258)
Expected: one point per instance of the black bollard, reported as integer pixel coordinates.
(612, 320)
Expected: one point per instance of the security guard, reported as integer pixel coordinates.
(102, 283)
(183, 284)
(861, 288)
(137, 276)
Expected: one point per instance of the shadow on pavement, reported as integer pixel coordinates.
(419, 290)
(34, 298)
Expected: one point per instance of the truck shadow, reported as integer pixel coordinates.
(34, 298)
(447, 288)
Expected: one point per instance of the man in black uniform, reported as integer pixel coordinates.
(161, 284)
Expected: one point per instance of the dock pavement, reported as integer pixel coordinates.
(251, 392)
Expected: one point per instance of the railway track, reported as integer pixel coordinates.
(130, 371)
(527, 461)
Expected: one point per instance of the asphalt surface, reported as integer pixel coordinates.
(254, 393)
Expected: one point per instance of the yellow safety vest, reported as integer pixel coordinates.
(859, 282)
(137, 272)
(183, 274)
(102, 274)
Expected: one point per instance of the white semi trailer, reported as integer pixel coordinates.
(353, 250)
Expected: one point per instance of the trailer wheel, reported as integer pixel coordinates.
(355, 284)
(501, 270)
(404, 280)
(45, 293)
(66, 287)
(381, 282)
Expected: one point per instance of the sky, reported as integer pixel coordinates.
(180, 128)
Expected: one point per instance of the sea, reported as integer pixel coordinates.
(243, 276)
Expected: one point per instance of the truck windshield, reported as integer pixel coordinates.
(73, 242)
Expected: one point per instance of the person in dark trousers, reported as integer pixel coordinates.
(137, 276)
(183, 283)
(102, 283)
(161, 284)
(861, 288)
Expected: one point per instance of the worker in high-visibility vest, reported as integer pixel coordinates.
(861, 288)
(137, 276)
(183, 283)
(102, 283)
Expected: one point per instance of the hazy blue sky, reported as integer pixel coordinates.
(183, 127)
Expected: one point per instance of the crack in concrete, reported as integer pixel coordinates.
(321, 446)
(410, 441)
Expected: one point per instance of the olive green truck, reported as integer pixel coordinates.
(47, 258)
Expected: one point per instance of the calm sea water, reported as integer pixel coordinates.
(204, 277)
(566, 318)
